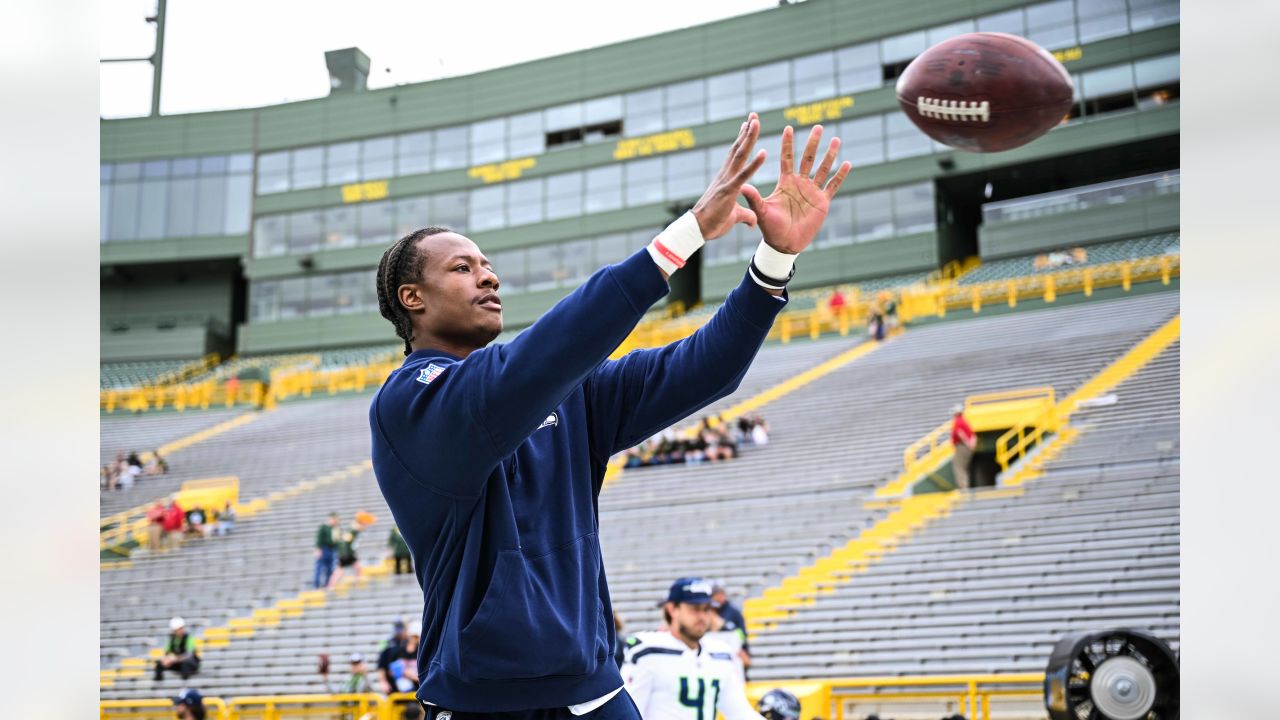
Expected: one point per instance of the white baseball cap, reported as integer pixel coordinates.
(957, 408)
(176, 623)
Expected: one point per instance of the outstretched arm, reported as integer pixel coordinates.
(648, 390)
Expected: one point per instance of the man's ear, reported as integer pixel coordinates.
(411, 298)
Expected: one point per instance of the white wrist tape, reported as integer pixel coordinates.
(777, 266)
(677, 243)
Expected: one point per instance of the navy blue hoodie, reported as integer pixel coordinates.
(492, 467)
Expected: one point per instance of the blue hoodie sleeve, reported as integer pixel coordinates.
(451, 429)
(647, 390)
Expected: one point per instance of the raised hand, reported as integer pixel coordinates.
(718, 210)
(793, 213)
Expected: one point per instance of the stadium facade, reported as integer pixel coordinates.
(258, 230)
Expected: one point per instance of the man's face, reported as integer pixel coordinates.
(183, 712)
(719, 597)
(457, 298)
(333, 521)
(359, 668)
(690, 621)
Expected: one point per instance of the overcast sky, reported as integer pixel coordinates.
(222, 54)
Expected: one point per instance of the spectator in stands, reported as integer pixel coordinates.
(174, 519)
(226, 520)
(875, 320)
(155, 526)
(400, 551)
(189, 705)
(391, 651)
(759, 431)
(889, 312)
(403, 670)
(196, 524)
(964, 441)
(180, 653)
(326, 552)
(107, 478)
(156, 465)
(734, 622)
(359, 681)
(126, 473)
(619, 641)
(134, 461)
(837, 303)
(345, 546)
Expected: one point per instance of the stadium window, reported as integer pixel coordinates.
(561, 117)
(413, 153)
(903, 138)
(602, 110)
(1098, 19)
(686, 104)
(872, 215)
(721, 251)
(838, 227)
(349, 298)
(376, 221)
(306, 168)
(858, 68)
(213, 165)
(340, 227)
(124, 210)
(270, 236)
(184, 168)
(602, 131)
(727, 96)
(898, 51)
(686, 175)
(603, 189)
(369, 290)
(913, 210)
(1011, 22)
(153, 169)
(1108, 89)
(305, 231)
(862, 140)
(293, 298)
(525, 136)
(104, 172)
(450, 146)
(813, 77)
(770, 86)
(942, 32)
(487, 205)
(152, 208)
(524, 202)
(449, 210)
(509, 266)
(238, 208)
(543, 264)
(642, 112)
(564, 195)
(273, 173)
(211, 205)
(1147, 14)
(575, 262)
(1157, 81)
(342, 163)
(322, 295)
(104, 212)
(264, 301)
(772, 145)
(239, 163)
(644, 182)
(411, 214)
(1052, 25)
(614, 248)
(182, 208)
(377, 158)
(488, 141)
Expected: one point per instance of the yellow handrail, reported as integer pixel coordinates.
(202, 395)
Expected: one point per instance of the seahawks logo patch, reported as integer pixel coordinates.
(552, 420)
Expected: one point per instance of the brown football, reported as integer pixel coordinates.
(985, 92)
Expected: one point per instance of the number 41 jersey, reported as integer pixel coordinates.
(668, 680)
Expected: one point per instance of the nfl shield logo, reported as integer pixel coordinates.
(429, 373)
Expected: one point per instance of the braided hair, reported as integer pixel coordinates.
(401, 264)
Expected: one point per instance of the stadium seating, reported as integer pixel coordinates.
(1110, 252)
(749, 522)
(120, 375)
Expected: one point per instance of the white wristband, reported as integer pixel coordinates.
(677, 243)
(775, 264)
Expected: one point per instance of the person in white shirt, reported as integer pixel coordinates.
(676, 674)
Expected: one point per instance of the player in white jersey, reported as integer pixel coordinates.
(676, 674)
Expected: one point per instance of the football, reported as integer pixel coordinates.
(985, 92)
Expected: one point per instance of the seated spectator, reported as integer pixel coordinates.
(391, 651)
(155, 526)
(359, 681)
(174, 519)
(836, 303)
(156, 465)
(107, 478)
(759, 431)
(180, 652)
(226, 520)
(126, 473)
(404, 669)
(134, 460)
(196, 522)
(189, 705)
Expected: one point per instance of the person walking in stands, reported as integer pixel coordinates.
(964, 441)
(345, 547)
(400, 551)
(734, 622)
(491, 456)
(180, 653)
(326, 552)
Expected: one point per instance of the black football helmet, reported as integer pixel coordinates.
(778, 704)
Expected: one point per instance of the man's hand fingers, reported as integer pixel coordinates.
(827, 161)
(810, 150)
(745, 173)
(743, 215)
(742, 145)
(754, 200)
(788, 153)
(834, 186)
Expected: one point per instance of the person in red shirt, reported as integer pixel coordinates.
(174, 518)
(964, 440)
(155, 526)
